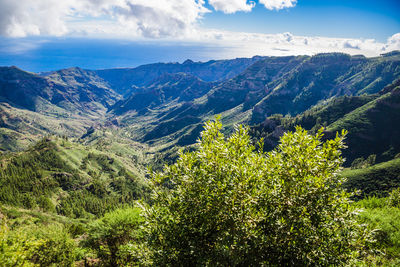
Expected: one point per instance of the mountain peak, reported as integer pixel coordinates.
(188, 61)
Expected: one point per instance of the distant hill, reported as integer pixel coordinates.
(84, 86)
(65, 102)
(125, 81)
(179, 87)
(72, 90)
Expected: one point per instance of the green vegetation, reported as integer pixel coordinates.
(383, 216)
(371, 120)
(376, 180)
(36, 245)
(224, 203)
(61, 176)
(84, 198)
(394, 198)
(229, 204)
(117, 236)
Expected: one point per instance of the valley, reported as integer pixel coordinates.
(80, 145)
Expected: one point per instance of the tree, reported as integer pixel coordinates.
(36, 246)
(45, 204)
(360, 163)
(394, 198)
(115, 236)
(228, 203)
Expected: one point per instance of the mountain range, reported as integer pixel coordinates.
(84, 138)
(165, 104)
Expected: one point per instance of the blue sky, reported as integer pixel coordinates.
(44, 35)
(330, 18)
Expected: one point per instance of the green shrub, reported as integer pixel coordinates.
(394, 198)
(36, 246)
(372, 202)
(228, 204)
(76, 229)
(54, 247)
(110, 235)
(29, 202)
(45, 204)
(360, 163)
(14, 247)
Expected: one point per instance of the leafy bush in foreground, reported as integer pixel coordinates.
(229, 204)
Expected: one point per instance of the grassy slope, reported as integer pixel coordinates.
(378, 179)
(72, 179)
(384, 222)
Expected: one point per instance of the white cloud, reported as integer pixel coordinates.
(278, 4)
(149, 18)
(393, 43)
(232, 6)
(243, 44)
(134, 18)
(25, 17)
(169, 19)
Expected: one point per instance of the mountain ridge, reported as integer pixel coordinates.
(214, 70)
(286, 85)
(166, 108)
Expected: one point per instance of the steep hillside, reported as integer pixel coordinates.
(273, 85)
(178, 87)
(24, 89)
(323, 76)
(291, 85)
(19, 128)
(73, 90)
(69, 178)
(66, 102)
(374, 128)
(84, 86)
(373, 123)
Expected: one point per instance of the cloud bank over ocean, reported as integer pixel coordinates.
(29, 27)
